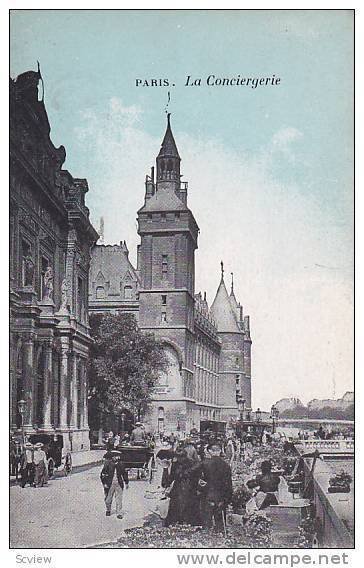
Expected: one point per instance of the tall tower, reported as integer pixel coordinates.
(234, 367)
(166, 265)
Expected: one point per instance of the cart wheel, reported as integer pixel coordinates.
(50, 468)
(68, 464)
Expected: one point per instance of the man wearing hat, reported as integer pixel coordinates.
(27, 465)
(113, 478)
(138, 436)
(40, 464)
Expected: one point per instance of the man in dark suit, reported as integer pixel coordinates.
(215, 487)
(113, 477)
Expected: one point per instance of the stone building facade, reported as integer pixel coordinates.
(209, 349)
(50, 241)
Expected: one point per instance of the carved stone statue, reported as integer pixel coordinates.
(48, 284)
(28, 270)
(64, 294)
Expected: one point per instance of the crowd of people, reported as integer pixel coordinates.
(195, 474)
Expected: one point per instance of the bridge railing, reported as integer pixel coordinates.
(332, 445)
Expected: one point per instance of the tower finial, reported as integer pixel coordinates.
(168, 101)
(222, 269)
(232, 282)
(41, 80)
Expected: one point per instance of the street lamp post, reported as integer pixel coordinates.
(274, 413)
(22, 407)
(241, 406)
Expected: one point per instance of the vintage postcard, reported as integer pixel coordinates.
(181, 282)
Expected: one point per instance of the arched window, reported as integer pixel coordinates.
(172, 377)
(100, 293)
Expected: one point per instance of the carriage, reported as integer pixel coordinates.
(140, 458)
(56, 457)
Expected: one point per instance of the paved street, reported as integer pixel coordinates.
(70, 512)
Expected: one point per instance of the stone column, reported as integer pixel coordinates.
(48, 379)
(28, 354)
(13, 383)
(84, 396)
(73, 391)
(63, 388)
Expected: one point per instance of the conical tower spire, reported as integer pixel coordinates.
(222, 309)
(233, 299)
(168, 160)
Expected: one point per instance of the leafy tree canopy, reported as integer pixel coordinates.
(124, 364)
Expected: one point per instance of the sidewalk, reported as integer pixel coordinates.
(70, 512)
(86, 458)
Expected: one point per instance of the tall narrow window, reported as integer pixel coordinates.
(164, 299)
(161, 419)
(164, 317)
(164, 265)
(80, 298)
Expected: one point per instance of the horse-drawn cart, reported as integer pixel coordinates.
(140, 458)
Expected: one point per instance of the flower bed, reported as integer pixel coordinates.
(256, 533)
(340, 483)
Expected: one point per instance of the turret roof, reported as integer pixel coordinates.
(164, 199)
(169, 147)
(223, 312)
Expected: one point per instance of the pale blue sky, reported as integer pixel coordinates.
(271, 167)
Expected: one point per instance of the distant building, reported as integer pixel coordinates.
(209, 349)
(50, 240)
(287, 404)
(339, 404)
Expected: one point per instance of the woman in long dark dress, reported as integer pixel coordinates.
(181, 493)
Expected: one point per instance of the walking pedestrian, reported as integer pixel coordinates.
(40, 466)
(215, 488)
(114, 477)
(27, 465)
(180, 490)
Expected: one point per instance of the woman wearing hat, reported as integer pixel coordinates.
(40, 464)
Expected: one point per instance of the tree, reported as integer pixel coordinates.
(124, 366)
